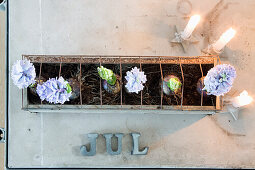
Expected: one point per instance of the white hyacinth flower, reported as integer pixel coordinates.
(23, 73)
(135, 80)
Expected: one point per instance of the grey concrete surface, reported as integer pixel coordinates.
(130, 27)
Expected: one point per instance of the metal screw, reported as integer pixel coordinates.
(2, 135)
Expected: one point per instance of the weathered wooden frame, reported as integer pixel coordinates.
(87, 59)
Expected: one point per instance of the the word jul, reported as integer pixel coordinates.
(108, 137)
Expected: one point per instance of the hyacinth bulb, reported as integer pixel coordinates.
(111, 81)
(171, 85)
(75, 88)
(219, 79)
(114, 89)
(135, 80)
(200, 86)
(23, 73)
(54, 90)
(107, 74)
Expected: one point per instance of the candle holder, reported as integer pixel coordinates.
(218, 46)
(230, 109)
(234, 111)
(211, 51)
(183, 42)
(238, 103)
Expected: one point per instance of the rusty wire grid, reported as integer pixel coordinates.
(141, 93)
(202, 74)
(120, 82)
(80, 85)
(178, 60)
(162, 80)
(182, 84)
(101, 97)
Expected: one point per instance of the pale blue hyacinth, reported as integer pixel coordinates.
(219, 79)
(135, 80)
(23, 73)
(54, 90)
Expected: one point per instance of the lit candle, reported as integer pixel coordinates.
(190, 27)
(242, 100)
(224, 39)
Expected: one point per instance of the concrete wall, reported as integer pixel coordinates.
(130, 27)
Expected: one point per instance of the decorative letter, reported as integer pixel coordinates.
(92, 138)
(108, 137)
(135, 150)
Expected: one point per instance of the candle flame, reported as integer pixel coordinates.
(243, 99)
(244, 95)
(194, 20)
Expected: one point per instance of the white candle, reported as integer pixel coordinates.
(190, 26)
(242, 100)
(224, 39)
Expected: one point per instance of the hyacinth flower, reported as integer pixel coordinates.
(111, 81)
(219, 80)
(23, 73)
(54, 90)
(171, 85)
(135, 80)
(32, 87)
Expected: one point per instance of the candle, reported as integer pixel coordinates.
(224, 39)
(242, 100)
(190, 26)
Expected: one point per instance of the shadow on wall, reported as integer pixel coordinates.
(153, 129)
